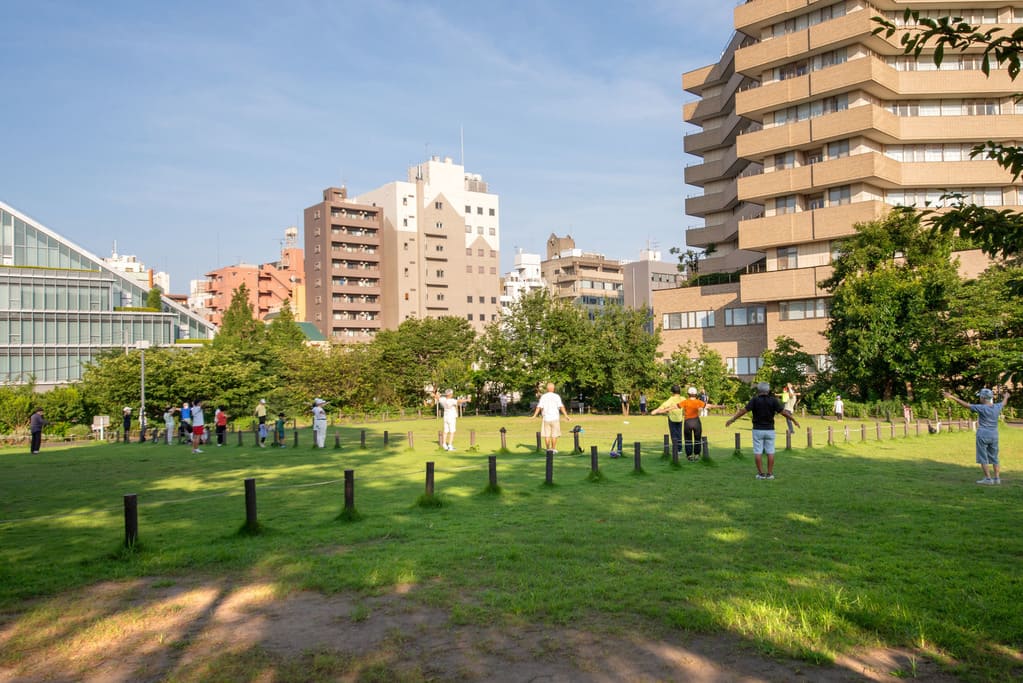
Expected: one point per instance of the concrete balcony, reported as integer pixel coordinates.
(756, 102)
(981, 173)
(874, 168)
(735, 260)
(807, 226)
(723, 200)
(714, 138)
(696, 80)
(757, 188)
(781, 285)
(728, 166)
(715, 105)
(752, 16)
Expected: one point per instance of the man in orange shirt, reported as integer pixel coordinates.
(692, 428)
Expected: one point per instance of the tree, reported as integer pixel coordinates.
(420, 354)
(989, 318)
(786, 363)
(154, 299)
(997, 233)
(891, 288)
(702, 367)
(624, 353)
(283, 332)
(239, 325)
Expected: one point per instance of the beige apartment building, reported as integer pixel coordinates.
(343, 250)
(587, 279)
(809, 124)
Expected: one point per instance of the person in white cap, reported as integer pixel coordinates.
(450, 405)
(126, 421)
(987, 431)
(261, 418)
(319, 422)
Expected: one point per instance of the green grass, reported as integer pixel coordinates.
(868, 543)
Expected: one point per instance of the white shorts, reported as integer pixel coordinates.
(449, 424)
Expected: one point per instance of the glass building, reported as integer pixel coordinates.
(60, 306)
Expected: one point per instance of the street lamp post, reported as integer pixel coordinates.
(142, 345)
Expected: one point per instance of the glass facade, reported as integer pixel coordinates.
(60, 307)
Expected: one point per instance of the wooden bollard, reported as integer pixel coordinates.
(918, 427)
(411, 440)
(809, 437)
(504, 439)
(788, 440)
(738, 441)
(877, 426)
(429, 478)
(863, 432)
(893, 430)
(250, 504)
(131, 520)
(621, 447)
(349, 490)
(337, 441)
(594, 461)
(440, 439)
(387, 437)
(472, 438)
(538, 441)
(577, 448)
(905, 429)
(636, 447)
(255, 436)
(667, 448)
(831, 437)
(362, 439)
(847, 433)
(675, 450)
(706, 448)
(492, 463)
(294, 439)
(550, 467)
(240, 435)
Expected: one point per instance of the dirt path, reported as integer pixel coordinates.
(195, 630)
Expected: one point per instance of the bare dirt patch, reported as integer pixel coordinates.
(197, 630)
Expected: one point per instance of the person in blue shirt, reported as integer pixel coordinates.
(987, 431)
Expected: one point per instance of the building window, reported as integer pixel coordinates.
(803, 309)
(815, 201)
(784, 160)
(479, 210)
(468, 269)
(788, 257)
(493, 212)
(468, 316)
(687, 320)
(814, 157)
(744, 365)
(479, 230)
(468, 251)
(493, 231)
(493, 299)
(468, 299)
(493, 254)
(439, 225)
(785, 204)
(747, 315)
(468, 209)
(480, 270)
(479, 252)
(838, 149)
(440, 273)
(439, 247)
(493, 270)
(839, 195)
(440, 296)
(438, 205)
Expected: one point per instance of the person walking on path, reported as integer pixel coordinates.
(764, 407)
(675, 417)
(449, 404)
(198, 426)
(552, 408)
(789, 398)
(839, 408)
(987, 431)
(220, 422)
(319, 422)
(35, 426)
(261, 419)
(168, 424)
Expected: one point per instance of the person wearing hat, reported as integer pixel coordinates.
(319, 422)
(764, 407)
(450, 405)
(692, 428)
(126, 422)
(35, 425)
(675, 416)
(839, 408)
(987, 431)
(261, 419)
(198, 426)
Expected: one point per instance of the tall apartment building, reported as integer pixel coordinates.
(440, 245)
(343, 241)
(809, 124)
(269, 284)
(587, 279)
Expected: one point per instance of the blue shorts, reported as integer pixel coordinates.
(763, 441)
(987, 446)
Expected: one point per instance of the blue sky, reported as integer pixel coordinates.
(193, 133)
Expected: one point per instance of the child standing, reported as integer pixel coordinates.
(279, 430)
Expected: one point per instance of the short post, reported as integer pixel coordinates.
(575, 433)
(538, 441)
(863, 432)
(636, 447)
(411, 440)
(429, 479)
(666, 447)
(504, 438)
(362, 439)
(492, 463)
(738, 442)
(893, 429)
(550, 467)
(250, 504)
(905, 429)
(675, 452)
(918, 427)
(255, 436)
(131, 520)
(472, 438)
(440, 439)
(831, 437)
(349, 490)
(706, 448)
(847, 433)
(337, 440)
(239, 437)
(594, 466)
(294, 439)
(809, 437)
(788, 440)
(387, 437)
(877, 426)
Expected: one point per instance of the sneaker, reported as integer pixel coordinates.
(451, 448)
(761, 476)
(768, 476)
(196, 450)
(996, 481)
(986, 481)
(554, 452)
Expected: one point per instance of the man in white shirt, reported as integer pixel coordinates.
(198, 426)
(449, 404)
(551, 406)
(320, 423)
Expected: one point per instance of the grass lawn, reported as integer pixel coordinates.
(861, 544)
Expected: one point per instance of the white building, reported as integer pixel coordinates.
(134, 269)
(440, 246)
(523, 279)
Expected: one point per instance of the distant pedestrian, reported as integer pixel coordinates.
(552, 408)
(198, 426)
(789, 398)
(279, 426)
(907, 413)
(449, 404)
(839, 408)
(764, 407)
(675, 417)
(220, 422)
(319, 422)
(987, 431)
(706, 399)
(503, 398)
(35, 426)
(126, 422)
(168, 423)
(261, 419)
(642, 403)
(624, 397)
(185, 428)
